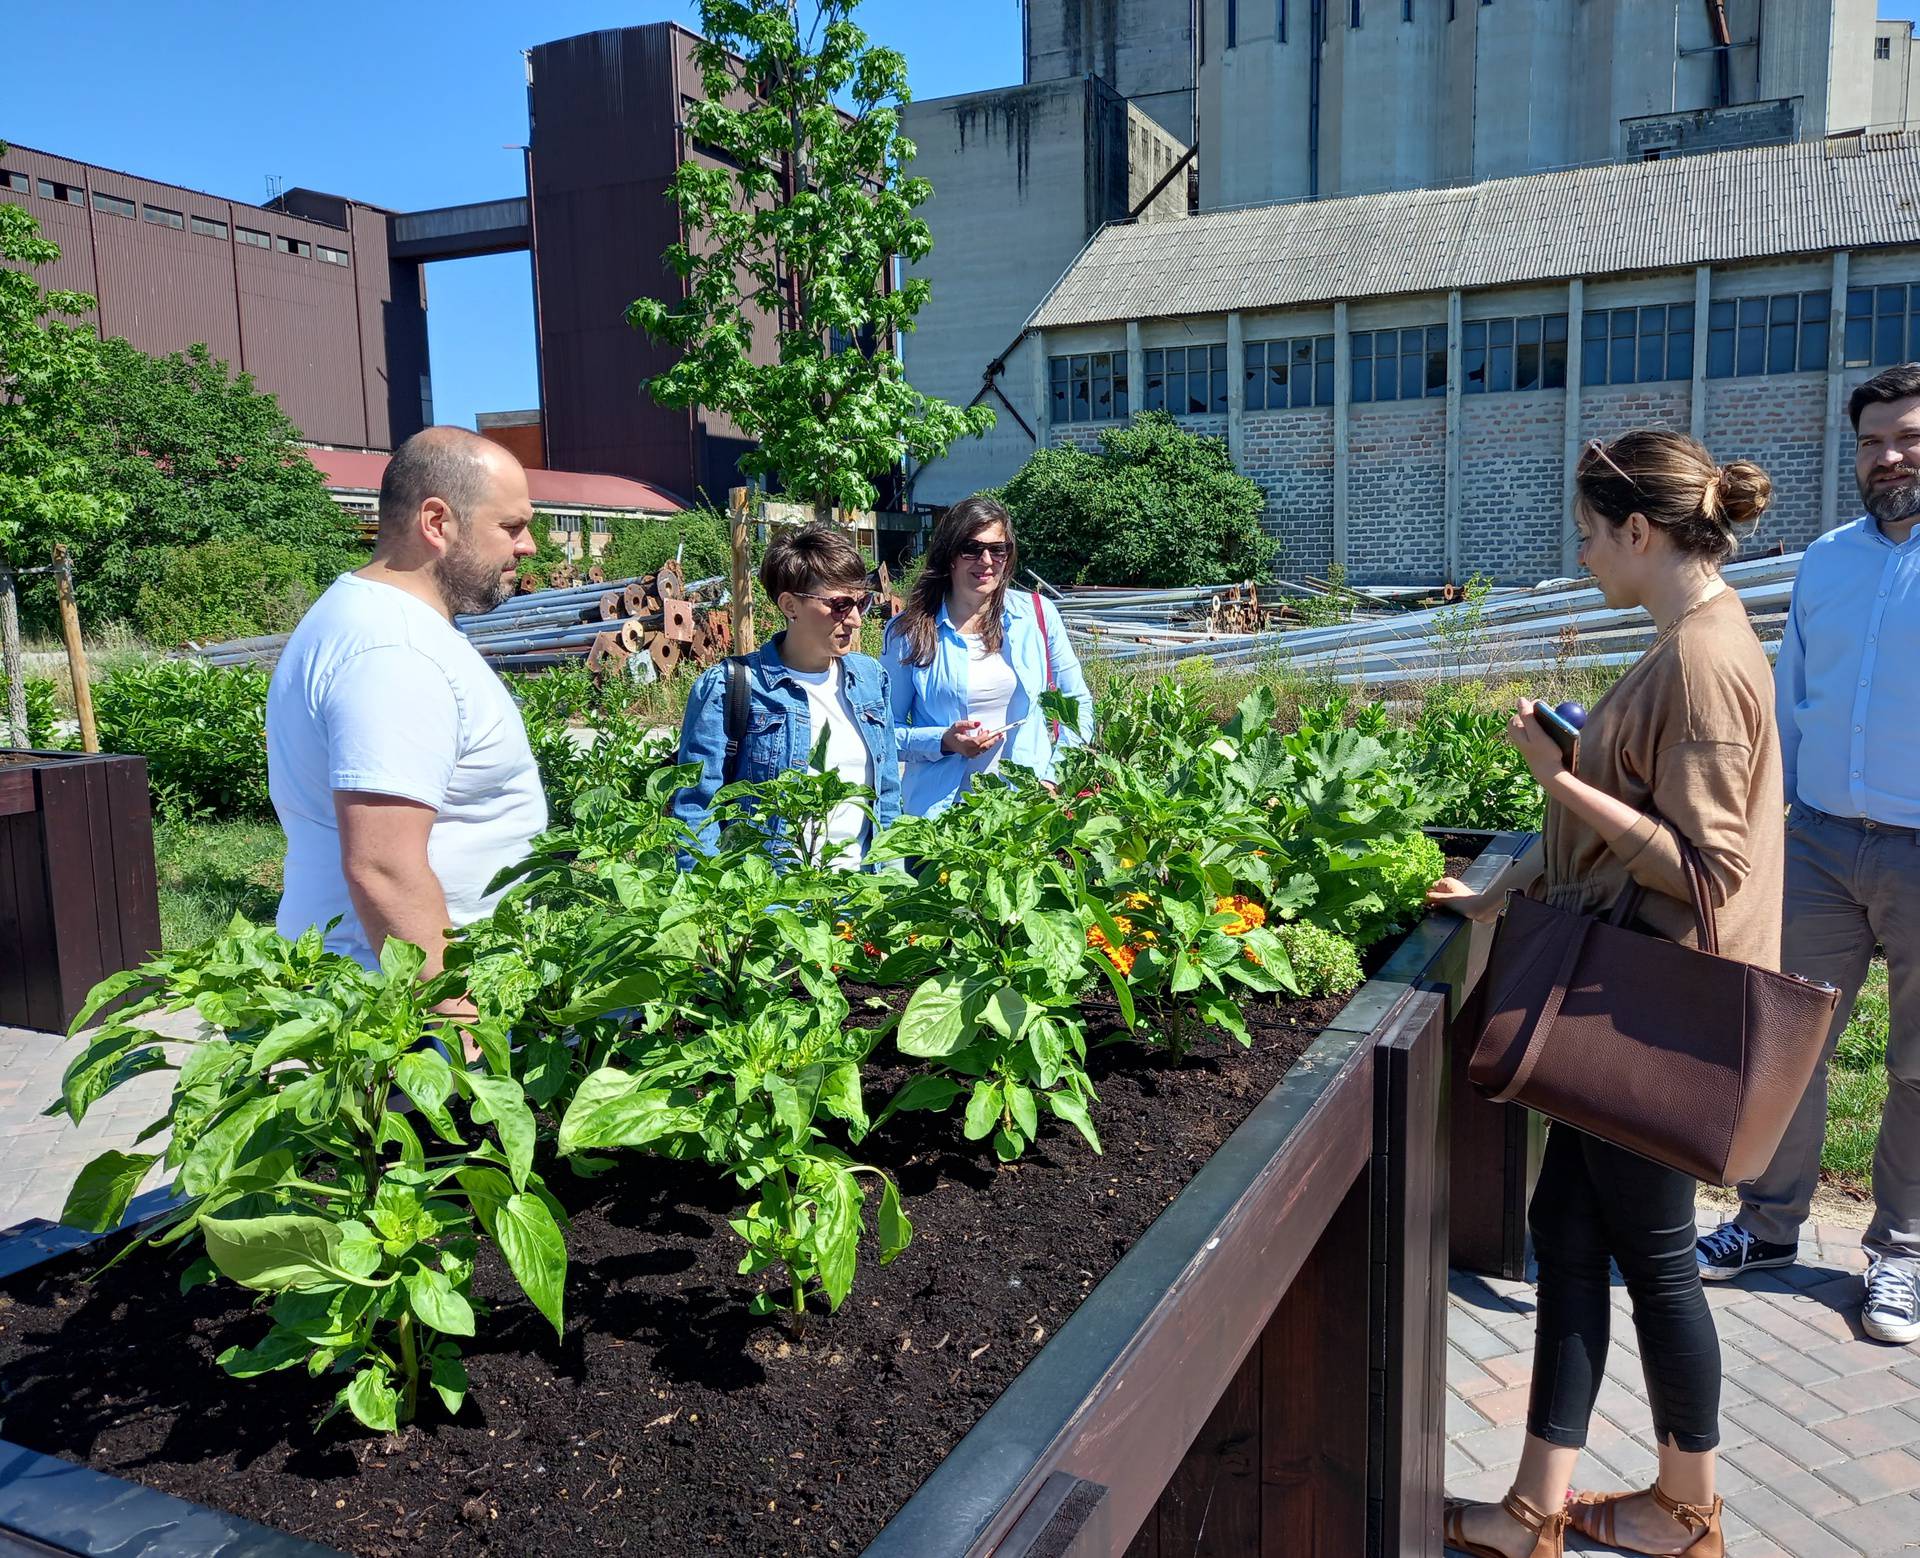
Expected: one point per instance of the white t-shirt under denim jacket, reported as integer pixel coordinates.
(928, 699)
(377, 692)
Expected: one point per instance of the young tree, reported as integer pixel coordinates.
(798, 228)
(46, 489)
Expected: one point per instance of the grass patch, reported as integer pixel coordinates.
(1857, 1087)
(210, 871)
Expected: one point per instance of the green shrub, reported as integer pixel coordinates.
(43, 713)
(224, 589)
(1475, 776)
(623, 752)
(1156, 506)
(636, 546)
(1324, 963)
(201, 728)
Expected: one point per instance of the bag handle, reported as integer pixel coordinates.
(1627, 905)
(1549, 1012)
(1046, 645)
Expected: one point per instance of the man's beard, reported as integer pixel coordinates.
(470, 584)
(1893, 503)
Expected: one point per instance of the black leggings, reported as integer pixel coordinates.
(1596, 1201)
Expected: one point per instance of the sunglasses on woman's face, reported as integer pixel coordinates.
(999, 551)
(841, 605)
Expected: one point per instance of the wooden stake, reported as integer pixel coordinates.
(76, 651)
(738, 502)
(10, 662)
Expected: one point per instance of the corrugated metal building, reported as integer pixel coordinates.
(1411, 376)
(308, 300)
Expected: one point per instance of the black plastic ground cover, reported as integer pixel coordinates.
(988, 1468)
(76, 1510)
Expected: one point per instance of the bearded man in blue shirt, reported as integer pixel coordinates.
(1847, 693)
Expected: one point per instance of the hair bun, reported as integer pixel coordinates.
(1738, 494)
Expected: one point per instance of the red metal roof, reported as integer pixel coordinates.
(360, 470)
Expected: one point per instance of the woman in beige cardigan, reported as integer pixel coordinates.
(1683, 745)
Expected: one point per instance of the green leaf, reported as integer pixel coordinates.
(932, 1024)
(841, 1097)
(1073, 1109)
(535, 1252)
(637, 1117)
(401, 961)
(199, 1274)
(286, 1040)
(395, 1128)
(896, 1231)
(280, 1348)
(245, 1134)
(1021, 1106)
(983, 1110)
(426, 1078)
(271, 1253)
(1006, 1012)
(438, 1302)
(789, 1109)
(836, 1234)
(448, 1375)
(1008, 1145)
(108, 991)
(925, 1092)
(512, 1120)
(371, 1396)
(101, 1191)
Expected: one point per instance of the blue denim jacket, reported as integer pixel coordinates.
(779, 734)
(927, 699)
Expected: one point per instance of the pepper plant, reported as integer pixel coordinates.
(299, 1166)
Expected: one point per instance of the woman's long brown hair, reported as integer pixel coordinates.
(919, 622)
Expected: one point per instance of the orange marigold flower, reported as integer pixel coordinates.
(1121, 958)
(1251, 956)
(1136, 900)
(843, 929)
(1096, 937)
(1125, 925)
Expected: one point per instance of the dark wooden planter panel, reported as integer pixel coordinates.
(1261, 1374)
(79, 897)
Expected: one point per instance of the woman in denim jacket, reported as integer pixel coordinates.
(969, 659)
(801, 681)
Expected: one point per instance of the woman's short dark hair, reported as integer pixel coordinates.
(1671, 480)
(812, 558)
(1884, 388)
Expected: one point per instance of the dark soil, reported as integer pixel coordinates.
(668, 1420)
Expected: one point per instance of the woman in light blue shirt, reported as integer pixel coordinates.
(968, 660)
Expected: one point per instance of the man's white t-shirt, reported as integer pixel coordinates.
(991, 685)
(376, 691)
(847, 754)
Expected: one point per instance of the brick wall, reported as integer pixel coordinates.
(1290, 453)
(1085, 434)
(1607, 411)
(1396, 492)
(1775, 421)
(1510, 472)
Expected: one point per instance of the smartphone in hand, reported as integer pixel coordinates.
(1565, 737)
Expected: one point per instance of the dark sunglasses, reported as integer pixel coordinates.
(840, 605)
(999, 551)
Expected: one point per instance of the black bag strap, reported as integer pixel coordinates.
(736, 715)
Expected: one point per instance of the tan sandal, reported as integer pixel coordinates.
(1549, 1531)
(1595, 1514)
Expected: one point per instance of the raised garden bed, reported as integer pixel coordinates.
(79, 897)
(1112, 1373)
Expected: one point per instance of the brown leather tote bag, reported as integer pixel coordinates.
(1682, 1056)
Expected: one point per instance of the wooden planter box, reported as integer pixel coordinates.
(79, 899)
(1266, 1364)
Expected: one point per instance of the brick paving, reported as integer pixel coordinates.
(43, 1153)
(1820, 1428)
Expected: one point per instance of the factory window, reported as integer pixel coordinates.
(1399, 364)
(19, 183)
(1783, 334)
(297, 246)
(1280, 21)
(1233, 23)
(1356, 13)
(1089, 387)
(53, 189)
(248, 235)
(113, 205)
(1637, 345)
(426, 400)
(1883, 48)
(1187, 380)
(1881, 324)
(1406, 10)
(1513, 354)
(207, 227)
(160, 216)
(1289, 373)
(328, 256)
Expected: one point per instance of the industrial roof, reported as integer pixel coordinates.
(1810, 197)
(360, 470)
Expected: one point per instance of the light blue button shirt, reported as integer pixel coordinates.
(1847, 684)
(927, 699)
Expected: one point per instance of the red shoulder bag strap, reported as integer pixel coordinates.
(1040, 612)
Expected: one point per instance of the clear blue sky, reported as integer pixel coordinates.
(406, 104)
(403, 103)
